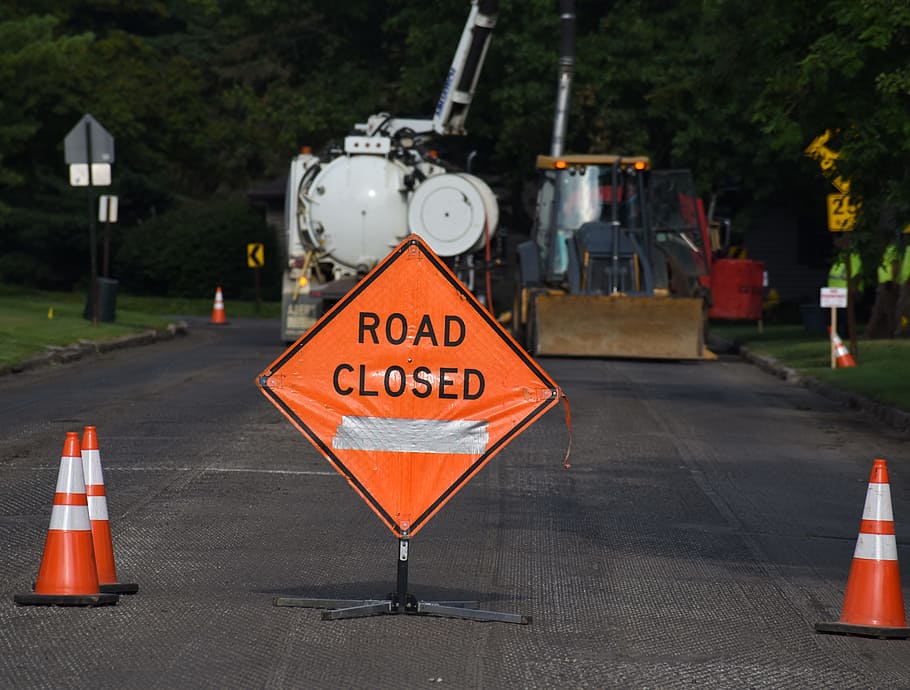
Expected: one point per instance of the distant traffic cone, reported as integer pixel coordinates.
(841, 353)
(218, 308)
(873, 603)
(97, 513)
(68, 576)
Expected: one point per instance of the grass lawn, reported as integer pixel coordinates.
(30, 321)
(883, 366)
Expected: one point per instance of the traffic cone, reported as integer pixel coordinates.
(873, 603)
(218, 308)
(841, 353)
(67, 576)
(98, 516)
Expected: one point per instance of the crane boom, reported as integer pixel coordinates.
(458, 91)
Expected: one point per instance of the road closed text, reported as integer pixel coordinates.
(397, 379)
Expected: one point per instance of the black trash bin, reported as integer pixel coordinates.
(107, 301)
(815, 319)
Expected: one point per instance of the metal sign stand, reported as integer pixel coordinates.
(401, 601)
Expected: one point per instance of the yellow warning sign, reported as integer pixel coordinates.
(841, 213)
(255, 255)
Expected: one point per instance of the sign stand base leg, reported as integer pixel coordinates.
(400, 602)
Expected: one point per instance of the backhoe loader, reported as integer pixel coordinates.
(616, 265)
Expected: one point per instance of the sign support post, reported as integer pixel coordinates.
(255, 259)
(374, 386)
(92, 240)
(835, 298)
(400, 601)
(82, 147)
(831, 338)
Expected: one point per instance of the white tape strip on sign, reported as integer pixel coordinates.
(391, 435)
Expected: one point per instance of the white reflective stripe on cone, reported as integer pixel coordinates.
(876, 547)
(91, 467)
(70, 479)
(97, 508)
(878, 503)
(71, 518)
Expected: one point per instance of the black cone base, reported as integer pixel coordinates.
(881, 632)
(119, 588)
(33, 599)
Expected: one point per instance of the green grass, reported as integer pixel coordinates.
(883, 366)
(30, 320)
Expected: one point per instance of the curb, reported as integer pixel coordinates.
(893, 417)
(89, 348)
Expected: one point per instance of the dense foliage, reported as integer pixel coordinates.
(208, 99)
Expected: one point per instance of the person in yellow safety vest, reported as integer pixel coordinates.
(902, 325)
(837, 276)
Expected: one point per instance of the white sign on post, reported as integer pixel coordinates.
(107, 208)
(101, 174)
(834, 297)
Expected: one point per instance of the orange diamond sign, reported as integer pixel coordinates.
(408, 387)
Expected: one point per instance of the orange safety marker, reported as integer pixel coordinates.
(98, 516)
(218, 316)
(68, 576)
(873, 603)
(841, 354)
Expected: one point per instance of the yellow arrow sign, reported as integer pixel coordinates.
(255, 255)
(827, 159)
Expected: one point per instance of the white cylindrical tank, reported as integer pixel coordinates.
(357, 211)
(453, 212)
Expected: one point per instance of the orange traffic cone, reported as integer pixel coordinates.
(67, 576)
(97, 514)
(874, 602)
(218, 308)
(841, 353)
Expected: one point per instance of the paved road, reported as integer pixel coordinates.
(708, 522)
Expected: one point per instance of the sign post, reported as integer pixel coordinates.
(107, 214)
(841, 215)
(255, 259)
(408, 387)
(89, 151)
(835, 298)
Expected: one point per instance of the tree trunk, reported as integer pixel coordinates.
(883, 320)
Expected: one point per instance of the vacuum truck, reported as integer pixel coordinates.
(347, 207)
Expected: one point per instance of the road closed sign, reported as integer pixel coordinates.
(408, 387)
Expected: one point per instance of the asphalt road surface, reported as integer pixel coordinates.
(707, 523)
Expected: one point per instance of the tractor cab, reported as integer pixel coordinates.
(609, 224)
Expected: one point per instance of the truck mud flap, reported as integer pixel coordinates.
(618, 326)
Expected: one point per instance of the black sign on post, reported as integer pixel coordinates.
(89, 151)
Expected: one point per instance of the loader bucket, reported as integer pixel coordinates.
(618, 326)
